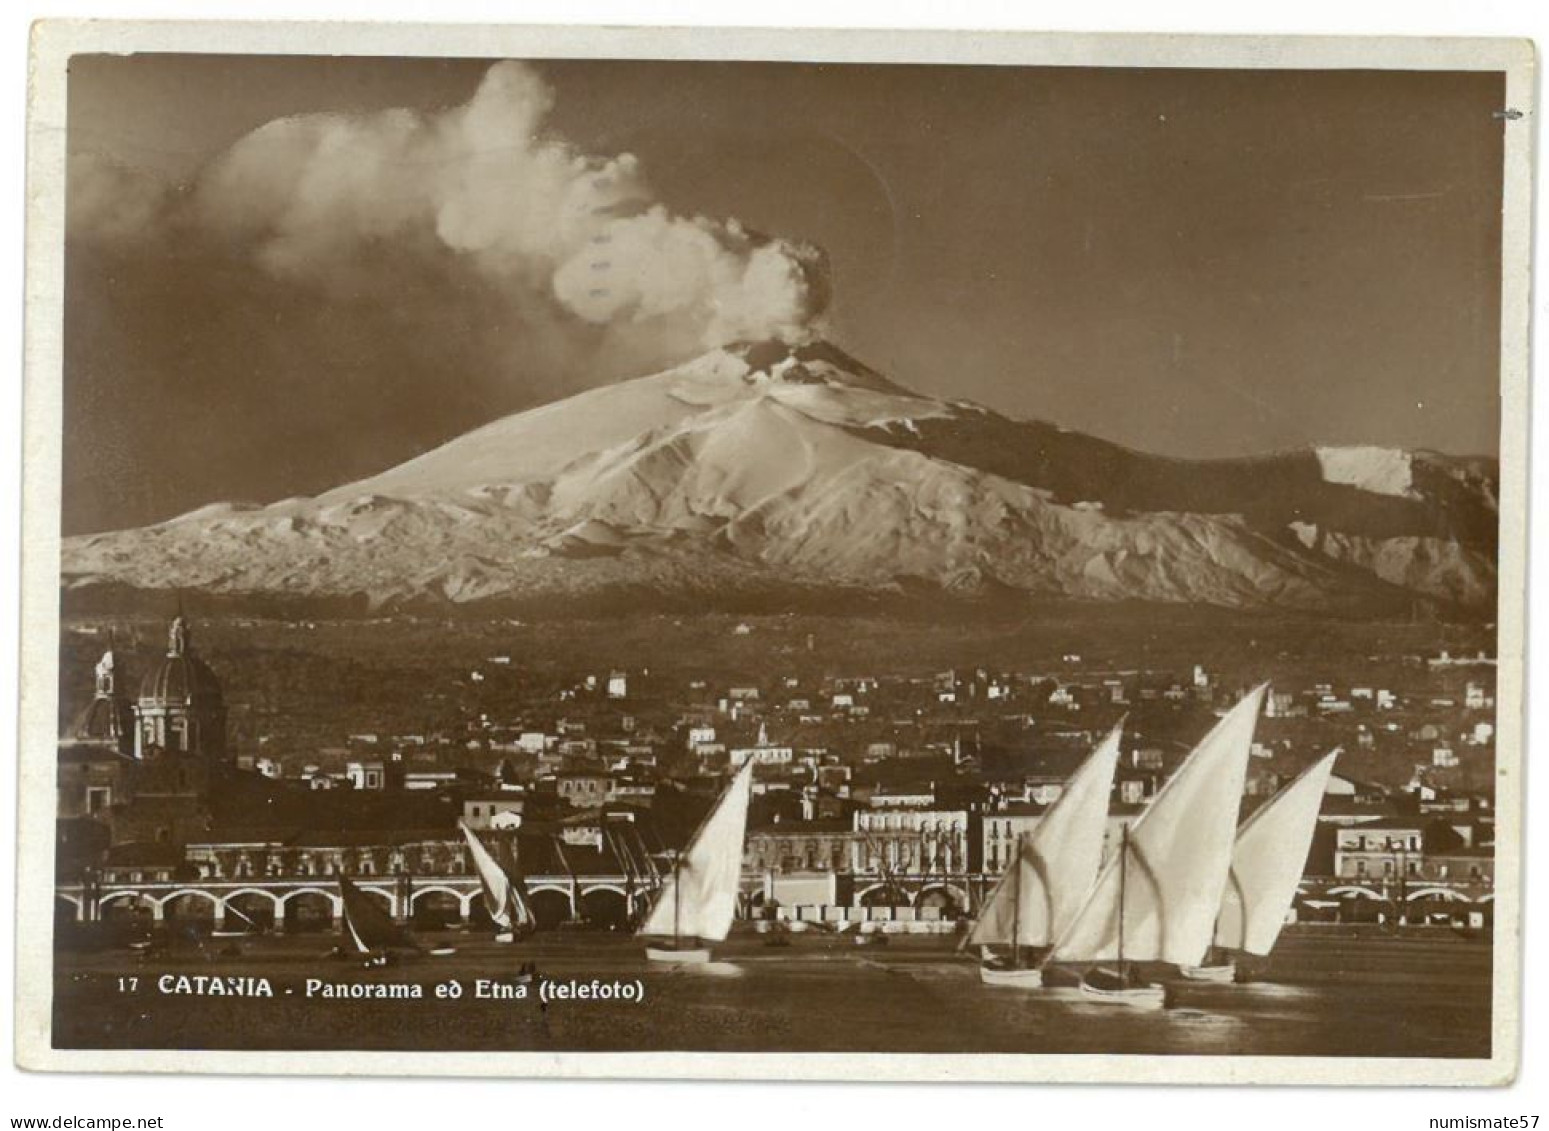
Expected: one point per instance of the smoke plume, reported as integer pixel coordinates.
(370, 285)
(483, 181)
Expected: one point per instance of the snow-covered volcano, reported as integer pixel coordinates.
(770, 472)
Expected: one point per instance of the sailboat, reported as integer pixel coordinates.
(698, 897)
(505, 898)
(1157, 899)
(1050, 872)
(1267, 862)
(368, 929)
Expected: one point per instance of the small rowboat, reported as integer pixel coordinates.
(1224, 972)
(1026, 977)
(684, 956)
(1112, 988)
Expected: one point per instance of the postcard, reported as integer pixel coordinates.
(845, 555)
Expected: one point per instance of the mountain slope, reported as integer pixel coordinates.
(763, 470)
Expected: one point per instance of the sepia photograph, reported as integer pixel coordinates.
(986, 558)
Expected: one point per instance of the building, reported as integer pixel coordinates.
(1000, 830)
(1378, 850)
(367, 775)
(910, 841)
(763, 752)
(585, 791)
(237, 853)
(501, 809)
(826, 845)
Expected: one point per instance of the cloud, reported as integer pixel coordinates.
(110, 203)
(316, 196)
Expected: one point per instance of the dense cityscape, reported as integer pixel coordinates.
(879, 793)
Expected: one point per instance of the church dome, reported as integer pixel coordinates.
(180, 678)
(104, 720)
(108, 719)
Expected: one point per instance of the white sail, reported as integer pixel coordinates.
(1268, 860)
(1043, 887)
(1180, 848)
(698, 897)
(502, 897)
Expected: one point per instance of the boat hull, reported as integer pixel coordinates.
(1224, 973)
(696, 955)
(1132, 997)
(1028, 978)
(1109, 988)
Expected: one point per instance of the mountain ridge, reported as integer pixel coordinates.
(764, 467)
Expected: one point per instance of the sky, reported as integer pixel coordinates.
(284, 273)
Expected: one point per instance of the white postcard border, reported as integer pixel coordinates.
(53, 42)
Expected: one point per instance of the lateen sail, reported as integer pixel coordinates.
(366, 924)
(503, 897)
(1268, 860)
(698, 898)
(1040, 892)
(1179, 851)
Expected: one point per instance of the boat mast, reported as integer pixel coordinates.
(677, 899)
(1123, 870)
(1016, 906)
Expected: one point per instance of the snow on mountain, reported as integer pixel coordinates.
(765, 470)
(1384, 471)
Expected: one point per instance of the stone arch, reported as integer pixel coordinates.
(1360, 904)
(478, 916)
(437, 907)
(309, 910)
(430, 889)
(333, 899)
(951, 899)
(535, 886)
(127, 914)
(462, 896)
(1355, 891)
(877, 895)
(384, 898)
(188, 895)
(551, 906)
(67, 913)
(1436, 893)
(189, 913)
(134, 899)
(251, 910)
(273, 897)
(605, 907)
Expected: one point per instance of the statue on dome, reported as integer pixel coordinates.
(105, 675)
(177, 636)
